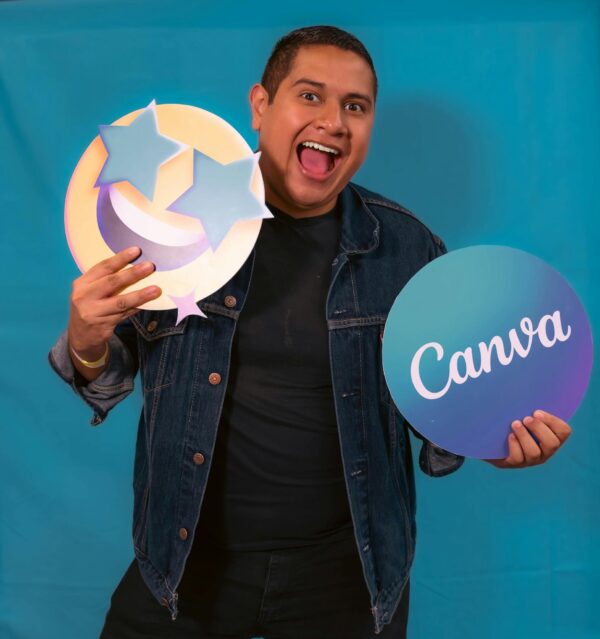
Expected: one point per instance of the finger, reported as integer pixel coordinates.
(129, 313)
(548, 441)
(119, 317)
(114, 283)
(531, 450)
(516, 457)
(559, 427)
(119, 304)
(111, 264)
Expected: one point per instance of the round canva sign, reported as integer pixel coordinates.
(480, 337)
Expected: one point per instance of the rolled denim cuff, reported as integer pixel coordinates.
(437, 462)
(109, 388)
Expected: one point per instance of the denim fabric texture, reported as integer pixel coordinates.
(306, 592)
(382, 245)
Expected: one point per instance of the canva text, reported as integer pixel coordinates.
(462, 365)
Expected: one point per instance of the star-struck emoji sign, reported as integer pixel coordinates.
(180, 183)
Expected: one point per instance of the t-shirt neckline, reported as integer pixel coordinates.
(303, 221)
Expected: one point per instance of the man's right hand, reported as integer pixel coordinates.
(97, 305)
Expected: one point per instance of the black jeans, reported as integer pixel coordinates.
(312, 592)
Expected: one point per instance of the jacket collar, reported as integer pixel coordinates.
(360, 227)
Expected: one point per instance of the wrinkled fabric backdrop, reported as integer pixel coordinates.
(487, 128)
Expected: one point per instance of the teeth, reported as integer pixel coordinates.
(320, 147)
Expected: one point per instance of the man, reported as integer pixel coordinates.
(307, 525)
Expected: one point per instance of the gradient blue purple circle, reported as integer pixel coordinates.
(468, 297)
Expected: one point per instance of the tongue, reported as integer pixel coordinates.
(314, 161)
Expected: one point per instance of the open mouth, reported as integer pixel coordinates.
(317, 160)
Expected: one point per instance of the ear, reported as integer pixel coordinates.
(259, 102)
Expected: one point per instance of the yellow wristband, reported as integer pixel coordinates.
(97, 364)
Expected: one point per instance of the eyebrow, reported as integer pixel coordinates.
(321, 85)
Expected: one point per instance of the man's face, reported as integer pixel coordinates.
(327, 100)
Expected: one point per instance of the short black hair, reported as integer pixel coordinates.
(284, 52)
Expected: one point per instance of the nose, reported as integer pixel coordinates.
(331, 119)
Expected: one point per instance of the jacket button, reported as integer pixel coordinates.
(230, 301)
(198, 458)
(183, 534)
(152, 326)
(164, 602)
(214, 379)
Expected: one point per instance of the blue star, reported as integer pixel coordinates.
(136, 151)
(221, 195)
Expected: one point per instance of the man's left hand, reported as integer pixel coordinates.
(550, 431)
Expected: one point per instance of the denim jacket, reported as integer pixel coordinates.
(184, 370)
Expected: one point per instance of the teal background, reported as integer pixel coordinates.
(487, 128)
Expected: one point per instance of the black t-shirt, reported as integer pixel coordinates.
(276, 479)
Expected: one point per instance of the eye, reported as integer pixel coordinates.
(310, 96)
(354, 106)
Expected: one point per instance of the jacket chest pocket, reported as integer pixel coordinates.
(160, 347)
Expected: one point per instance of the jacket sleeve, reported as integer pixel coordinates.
(433, 460)
(113, 384)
